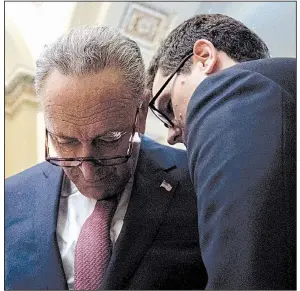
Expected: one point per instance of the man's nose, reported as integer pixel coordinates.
(87, 150)
(88, 170)
(174, 135)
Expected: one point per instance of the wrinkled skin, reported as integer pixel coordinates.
(77, 110)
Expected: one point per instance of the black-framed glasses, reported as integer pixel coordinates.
(160, 115)
(104, 161)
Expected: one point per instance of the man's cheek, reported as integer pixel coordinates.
(71, 173)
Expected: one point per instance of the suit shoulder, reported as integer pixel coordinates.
(279, 74)
(25, 176)
(283, 67)
(283, 63)
(164, 154)
(281, 71)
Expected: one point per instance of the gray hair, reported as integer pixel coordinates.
(89, 49)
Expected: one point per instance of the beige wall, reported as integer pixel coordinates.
(21, 136)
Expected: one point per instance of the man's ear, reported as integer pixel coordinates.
(143, 111)
(206, 54)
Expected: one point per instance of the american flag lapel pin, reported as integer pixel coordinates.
(166, 185)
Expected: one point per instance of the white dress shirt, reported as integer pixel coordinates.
(74, 209)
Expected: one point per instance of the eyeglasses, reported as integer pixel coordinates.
(160, 115)
(105, 161)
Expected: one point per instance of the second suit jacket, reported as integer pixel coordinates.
(158, 245)
(241, 142)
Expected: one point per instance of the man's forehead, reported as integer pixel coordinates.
(88, 103)
(66, 87)
(86, 95)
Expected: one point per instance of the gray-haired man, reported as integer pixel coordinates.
(112, 209)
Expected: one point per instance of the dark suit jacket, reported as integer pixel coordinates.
(241, 142)
(158, 247)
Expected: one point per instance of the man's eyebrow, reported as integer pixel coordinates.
(106, 133)
(59, 135)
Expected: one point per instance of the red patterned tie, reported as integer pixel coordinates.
(93, 248)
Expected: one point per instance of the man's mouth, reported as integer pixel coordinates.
(93, 182)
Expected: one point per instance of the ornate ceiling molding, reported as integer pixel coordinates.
(145, 24)
(21, 82)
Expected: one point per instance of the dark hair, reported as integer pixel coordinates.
(224, 32)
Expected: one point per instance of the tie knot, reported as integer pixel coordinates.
(107, 205)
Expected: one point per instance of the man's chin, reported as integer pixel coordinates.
(98, 191)
(94, 190)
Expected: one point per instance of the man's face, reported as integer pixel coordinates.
(174, 99)
(91, 116)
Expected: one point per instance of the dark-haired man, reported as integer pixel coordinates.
(217, 90)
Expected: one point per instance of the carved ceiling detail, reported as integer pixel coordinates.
(21, 83)
(146, 25)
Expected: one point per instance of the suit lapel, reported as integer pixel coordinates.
(148, 204)
(147, 207)
(47, 203)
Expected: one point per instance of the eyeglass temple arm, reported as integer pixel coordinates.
(188, 55)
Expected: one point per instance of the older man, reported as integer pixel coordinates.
(217, 91)
(109, 210)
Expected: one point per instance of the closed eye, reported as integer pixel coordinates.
(112, 137)
(169, 109)
(67, 142)
(63, 141)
